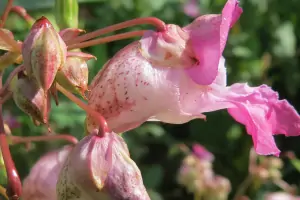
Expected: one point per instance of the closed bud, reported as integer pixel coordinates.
(66, 13)
(44, 52)
(100, 168)
(40, 184)
(74, 74)
(70, 33)
(30, 98)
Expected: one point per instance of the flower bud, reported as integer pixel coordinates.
(44, 52)
(74, 74)
(66, 13)
(31, 98)
(100, 168)
(70, 33)
(41, 181)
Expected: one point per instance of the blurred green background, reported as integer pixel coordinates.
(263, 47)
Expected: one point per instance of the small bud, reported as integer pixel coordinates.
(74, 74)
(100, 168)
(70, 33)
(41, 181)
(30, 98)
(44, 52)
(66, 13)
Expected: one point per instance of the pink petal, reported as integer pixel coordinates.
(202, 153)
(41, 182)
(264, 115)
(208, 36)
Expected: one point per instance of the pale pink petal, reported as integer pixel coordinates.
(208, 36)
(41, 182)
(191, 8)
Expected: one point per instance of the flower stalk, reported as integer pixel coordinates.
(103, 127)
(107, 39)
(160, 25)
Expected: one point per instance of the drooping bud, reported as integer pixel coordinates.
(74, 74)
(66, 13)
(41, 181)
(70, 33)
(44, 52)
(30, 98)
(100, 168)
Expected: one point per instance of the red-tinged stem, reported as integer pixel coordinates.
(7, 96)
(107, 39)
(160, 25)
(5, 87)
(5, 13)
(23, 13)
(15, 47)
(17, 139)
(99, 118)
(14, 189)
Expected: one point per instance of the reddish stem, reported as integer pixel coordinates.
(18, 139)
(7, 96)
(107, 39)
(160, 25)
(23, 13)
(5, 87)
(103, 127)
(14, 189)
(5, 13)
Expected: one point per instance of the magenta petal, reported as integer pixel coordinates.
(264, 115)
(208, 36)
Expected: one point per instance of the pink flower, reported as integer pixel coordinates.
(101, 168)
(177, 75)
(280, 196)
(191, 8)
(41, 182)
(202, 153)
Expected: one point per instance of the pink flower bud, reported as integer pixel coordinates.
(70, 33)
(31, 98)
(100, 168)
(44, 52)
(41, 182)
(75, 73)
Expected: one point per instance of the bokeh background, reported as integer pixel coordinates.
(263, 48)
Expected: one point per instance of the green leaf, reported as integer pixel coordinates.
(152, 176)
(296, 163)
(286, 40)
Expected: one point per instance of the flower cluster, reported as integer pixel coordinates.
(197, 175)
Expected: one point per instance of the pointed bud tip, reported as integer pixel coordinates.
(41, 22)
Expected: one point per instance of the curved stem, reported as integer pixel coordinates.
(3, 192)
(243, 187)
(14, 184)
(17, 139)
(5, 87)
(160, 25)
(7, 96)
(23, 14)
(107, 39)
(5, 13)
(99, 118)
